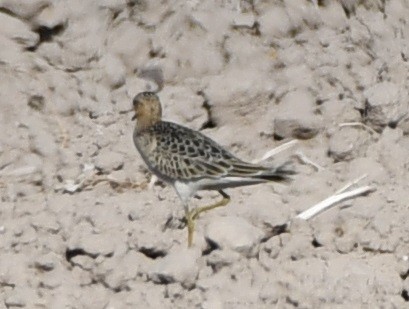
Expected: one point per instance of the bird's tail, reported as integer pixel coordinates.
(281, 173)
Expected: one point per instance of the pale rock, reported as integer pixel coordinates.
(302, 13)
(333, 15)
(53, 243)
(24, 9)
(211, 62)
(298, 247)
(13, 269)
(52, 52)
(272, 247)
(51, 280)
(244, 21)
(122, 270)
(175, 109)
(18, 31)
(22, 171)
(181, 60)
(149, 242)
(244, 52)
(84, 39)
(232, 85)
(212, 304)
(370, 166)
(348, 143)
(174, 290)
(16, 299)
(100, 296)
(379, 224)
(301, 76)
(270, 293)
(387, 280)
(81, 275)
(235, 234)
(43, 142)
(214, 22)
(359, 275)
(345, 244)
(28, 236)
(114, 70)
(153, 73)
(94, 244)
(52, 16)
(116, 5)
(403, 124)
(275, 22)
(66, 104)
(370, 240)
(153, 12)
(291, 57)
(134, 85)
(46, 262)
(338, 111)
(130, 43)
(122, 101)
(218, 259)
(395, 8)
(108, 160)
(295, 116)
(179, 266)
(45, 221)
(100, 110)
(85, 262)
(406, 284)
(383, 105)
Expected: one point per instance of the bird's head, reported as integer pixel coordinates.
(147, 109)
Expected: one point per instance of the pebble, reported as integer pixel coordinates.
(114, 70)
(24, 9)
(295, 117)
(94, 244)
(382, 105)
(348, 143)
(275, 22)
(45, 221)
(52, 16)
(18, 31)
(15, 300)
(46, 262)
(234, 233)
(123, 270)
(108, 160)
(178, 266)
(221, 258)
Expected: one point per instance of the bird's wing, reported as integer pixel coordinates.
(184, 154)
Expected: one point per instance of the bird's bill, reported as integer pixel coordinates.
(134, 117)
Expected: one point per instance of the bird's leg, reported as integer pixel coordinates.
(190, 226)
(191, 215)
(196, 212)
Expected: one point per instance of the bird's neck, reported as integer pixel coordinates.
(144, 124)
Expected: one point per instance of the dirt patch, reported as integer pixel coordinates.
(79, 225)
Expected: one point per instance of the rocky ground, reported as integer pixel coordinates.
(79, 227)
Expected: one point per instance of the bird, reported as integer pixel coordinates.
(189, 161)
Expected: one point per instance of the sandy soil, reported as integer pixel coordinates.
(79, 228)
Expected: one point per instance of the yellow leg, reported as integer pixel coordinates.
(192, 215)
(190, 229)
(196, 212)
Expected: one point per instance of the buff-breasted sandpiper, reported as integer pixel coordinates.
(190, 161)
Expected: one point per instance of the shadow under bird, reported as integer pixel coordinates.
(190, 161)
